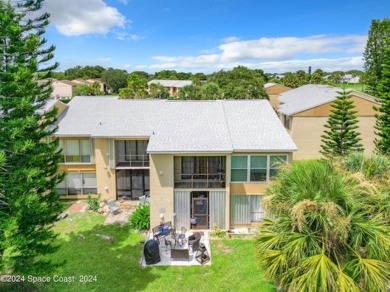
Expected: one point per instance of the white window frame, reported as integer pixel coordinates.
(248, 156)
(66, 187)
(62, 146)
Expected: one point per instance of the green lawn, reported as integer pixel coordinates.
(116, 263)
(357, 87)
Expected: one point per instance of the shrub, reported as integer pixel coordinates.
(140, 219)
(94, 203)
(374, 166)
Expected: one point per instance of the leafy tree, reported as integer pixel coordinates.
(301, 76)
(142, 74)
(317, 77)
(87, 72)
(172, 75)
(341, 136)
(136, 87)
(290, 80)
(240, 83)
(158, 91)
(383, 110)
(32, 204)
(88, 90)
(115, 79)
(210, 91)
(199, 76)
(328, 234)
(374, 52)
(189, 92)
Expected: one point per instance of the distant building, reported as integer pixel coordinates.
(305, 110)
(62, 89)
(173, 86)
(274, 90)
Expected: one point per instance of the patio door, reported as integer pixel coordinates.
(200, 210)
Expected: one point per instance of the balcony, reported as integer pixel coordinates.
(131, 154)
(132, 161)
(199, 172)
(200, 181)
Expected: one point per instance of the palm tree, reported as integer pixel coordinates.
(323, 237)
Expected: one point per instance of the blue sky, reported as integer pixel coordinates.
(210, 35)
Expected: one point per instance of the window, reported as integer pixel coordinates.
(132, 183)
(76, 151)
(258, 171)
(136, 150)
(255, 168)
(275, 162)
(239, 168)
(246, 209)
(78, 184)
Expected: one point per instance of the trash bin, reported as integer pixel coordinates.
(152, 252)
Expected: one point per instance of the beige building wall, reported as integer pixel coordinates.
(161, 187)
(273, 93)
(308, 126)
(306, 133)
(363, 107)
(105, 176)
(61, 89)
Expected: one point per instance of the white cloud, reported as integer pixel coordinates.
(230, 39)
(275, 54)
(104, 60)
(286, 47)
(75, 17)
(121, 35)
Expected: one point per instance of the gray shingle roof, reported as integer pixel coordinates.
(310, 96)
(306, 97)
(179, 126)
(171, 83)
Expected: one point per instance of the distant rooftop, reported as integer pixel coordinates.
(310, 96)
(179, 126)
(171, 83)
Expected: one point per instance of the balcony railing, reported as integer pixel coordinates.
(200, 181)
(139, 160)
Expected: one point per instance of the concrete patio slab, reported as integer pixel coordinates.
(121, 218)
(78, 207)
(166, 254)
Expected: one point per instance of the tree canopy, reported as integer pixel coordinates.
(329, 232)
(383, 110)
(115, 79)
(341, 136)
(240, 83)
(374, 52)
(31, 203)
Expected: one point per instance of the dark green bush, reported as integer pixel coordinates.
(140, 219)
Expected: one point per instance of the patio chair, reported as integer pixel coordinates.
(194, 240)
(182, 236)
(167, 243)
(113, 207)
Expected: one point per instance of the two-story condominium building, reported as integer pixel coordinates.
(209, 160)
(305, 110)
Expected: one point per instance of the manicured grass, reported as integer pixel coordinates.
(357, 87)
(115, 263)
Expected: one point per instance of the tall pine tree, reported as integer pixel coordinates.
(383, 111)
(341, 136)
(28, 184)
(374, 52)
